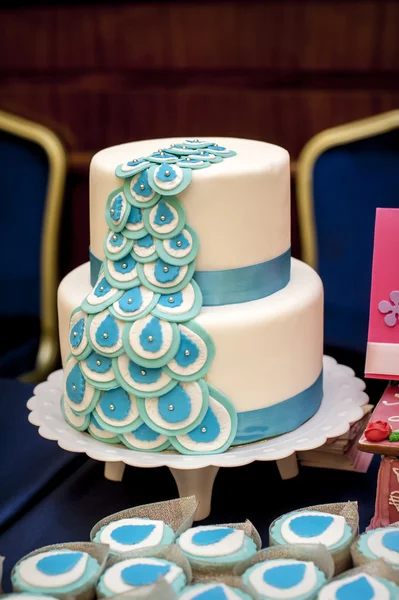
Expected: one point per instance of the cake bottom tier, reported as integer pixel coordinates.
(268, 352)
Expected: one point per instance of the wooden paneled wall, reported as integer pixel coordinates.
(103, 73)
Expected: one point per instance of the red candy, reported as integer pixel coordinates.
(377, 431)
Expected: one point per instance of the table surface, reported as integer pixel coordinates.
(48, 495)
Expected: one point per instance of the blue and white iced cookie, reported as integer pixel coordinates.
(54, 572)
(216, 544)
(212, 591)
(312, 527)
(284, 578)
(125, 535)
(359, 587)
(380, 543)
(134, 573)
(27, 596)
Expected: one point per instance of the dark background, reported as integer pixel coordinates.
(103, 73)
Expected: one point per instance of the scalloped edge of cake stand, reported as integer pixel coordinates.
(341, 407)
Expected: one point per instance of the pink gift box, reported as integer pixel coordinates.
(382, 359)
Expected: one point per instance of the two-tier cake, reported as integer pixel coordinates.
(191, 327)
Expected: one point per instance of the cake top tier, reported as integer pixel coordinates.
(239, 207)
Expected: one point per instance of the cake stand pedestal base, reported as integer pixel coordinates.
(343, 397)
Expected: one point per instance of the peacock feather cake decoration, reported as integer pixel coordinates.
(138, 361)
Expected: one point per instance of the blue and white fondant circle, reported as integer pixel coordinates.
(117, 210)
(134, 304)
(79, 422)
(134, 226)
(151, 342)
(164, 278)
(100, 434)
(195, 353)
(161, 156)
(212, 591)
(105, 333)
(180, 249)
(177, 411)
(101, 296)
(208, 156)
(78, 341)
(381, 543)
(98, 372)
(145, 439)
(312, 527)
(134, 573)
(78, 393)
(144, 249)
(216, 431)
(122, 274)
(359, 587)
(117, 411)
(166, 219)
(179, 306)
(117, 245)
(168, 178)
(138, 191)
(134, 533)
(284, 578)
(132, 167)
(142, 381)
(216, 544)
(57, 571)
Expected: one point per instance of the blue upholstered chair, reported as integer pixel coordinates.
(343, 175)
(32, 176)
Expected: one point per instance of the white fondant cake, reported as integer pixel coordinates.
(252, 317)
(239, 208)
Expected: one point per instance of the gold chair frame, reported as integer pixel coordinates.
(48, 351)
(329, 138)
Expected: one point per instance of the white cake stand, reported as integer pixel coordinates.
(341, 406)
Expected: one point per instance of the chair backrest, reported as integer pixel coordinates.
(343, 175)
(32, 176)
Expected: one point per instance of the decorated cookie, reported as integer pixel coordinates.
(135, 573)
(359, 587)
(213, 591)
(380, 543)
(60, 571)
(27, 596)
(284, 578)
(312, 527)
(129, 534)
(216, 544)
(144, 528)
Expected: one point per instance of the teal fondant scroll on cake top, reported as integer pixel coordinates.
(138, 360)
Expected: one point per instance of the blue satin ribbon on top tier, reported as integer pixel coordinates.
(256, 425)
(233, 286)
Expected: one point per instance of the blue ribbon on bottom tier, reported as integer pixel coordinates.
(263, 423)
(233, 286)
